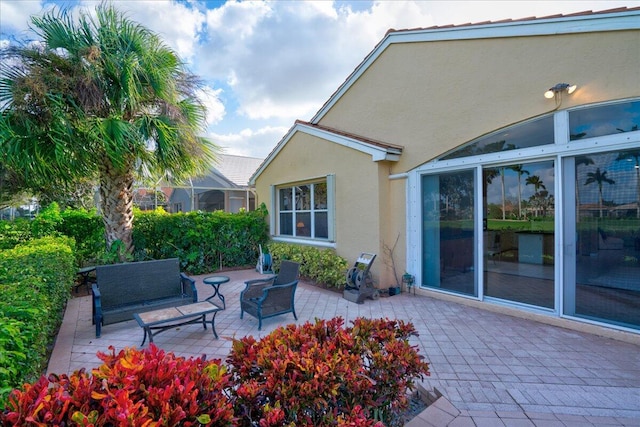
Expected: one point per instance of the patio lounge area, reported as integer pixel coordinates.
(491, 368)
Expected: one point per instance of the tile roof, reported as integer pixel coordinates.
(530, 18)
(365, 140)
(237, 169)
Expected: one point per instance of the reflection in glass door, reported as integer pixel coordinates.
(448, 232)
(519, 209)
(602, 271)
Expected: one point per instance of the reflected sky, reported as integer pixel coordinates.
(604, 120)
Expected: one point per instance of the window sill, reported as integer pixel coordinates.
(304, 241)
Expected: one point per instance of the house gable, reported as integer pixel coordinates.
(611, 20)
(378, 151)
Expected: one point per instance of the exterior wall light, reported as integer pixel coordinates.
(558, 89)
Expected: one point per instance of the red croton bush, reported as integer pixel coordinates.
(131, 388)
(320, 374)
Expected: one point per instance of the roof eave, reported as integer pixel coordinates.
(377, 153)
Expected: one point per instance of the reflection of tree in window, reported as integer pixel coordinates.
(580, 161)
(633, 155)
(490, 175)
(520, 171)
(320, 196)
(456, 197)
(303, 197)
(599, 178)
(540, 200)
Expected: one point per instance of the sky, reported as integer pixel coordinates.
(267, 63)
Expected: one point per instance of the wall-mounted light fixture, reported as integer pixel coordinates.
(558, 89)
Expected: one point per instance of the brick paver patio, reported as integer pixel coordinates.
(492, 369)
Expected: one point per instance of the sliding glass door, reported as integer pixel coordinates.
(519, 233)
(602, 227)
(448, 217)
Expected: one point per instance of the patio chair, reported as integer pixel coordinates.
(263, 298)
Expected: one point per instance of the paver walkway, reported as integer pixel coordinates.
(492, 369)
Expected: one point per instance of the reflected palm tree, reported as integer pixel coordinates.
(633, 155)
(520, 171)
(599, 178)
(490, 175)
(586, 161)
(537, 185)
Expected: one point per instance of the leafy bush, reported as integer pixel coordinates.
(318, 374)
(132, 388)
(320, 265)
(204, 241)
(35, 282)
(14, 232)
(86, 227)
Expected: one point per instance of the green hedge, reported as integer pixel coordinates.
(319, 265)
(14, 232)
(204, 241)
(35, 282)
(85, 227)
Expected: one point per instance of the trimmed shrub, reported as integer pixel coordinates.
(35, 282)
(14, 232)
(203, 241)
(322, 266)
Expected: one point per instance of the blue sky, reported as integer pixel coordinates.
(268, 63)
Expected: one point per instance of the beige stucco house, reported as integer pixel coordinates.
(495, 162)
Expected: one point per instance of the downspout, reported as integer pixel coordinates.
(403, 175)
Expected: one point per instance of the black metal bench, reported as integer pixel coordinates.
(137, 287)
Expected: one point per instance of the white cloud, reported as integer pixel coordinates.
(15, 16)
(215, 108)
(286, 58)
(281, 60)
(249, 142)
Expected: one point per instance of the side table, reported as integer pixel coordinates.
(215, 282)
(83, 273)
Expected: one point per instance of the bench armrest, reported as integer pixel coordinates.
(188, 287)
(96, 309)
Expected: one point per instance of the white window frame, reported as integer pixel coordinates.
(275, 225)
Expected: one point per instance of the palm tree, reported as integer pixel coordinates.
(599, 178)
(101, 97)
(635, 155)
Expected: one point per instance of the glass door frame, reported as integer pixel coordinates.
(415, 243)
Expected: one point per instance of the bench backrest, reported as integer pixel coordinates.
(133, 282)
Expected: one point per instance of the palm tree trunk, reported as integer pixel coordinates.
(116, 200)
